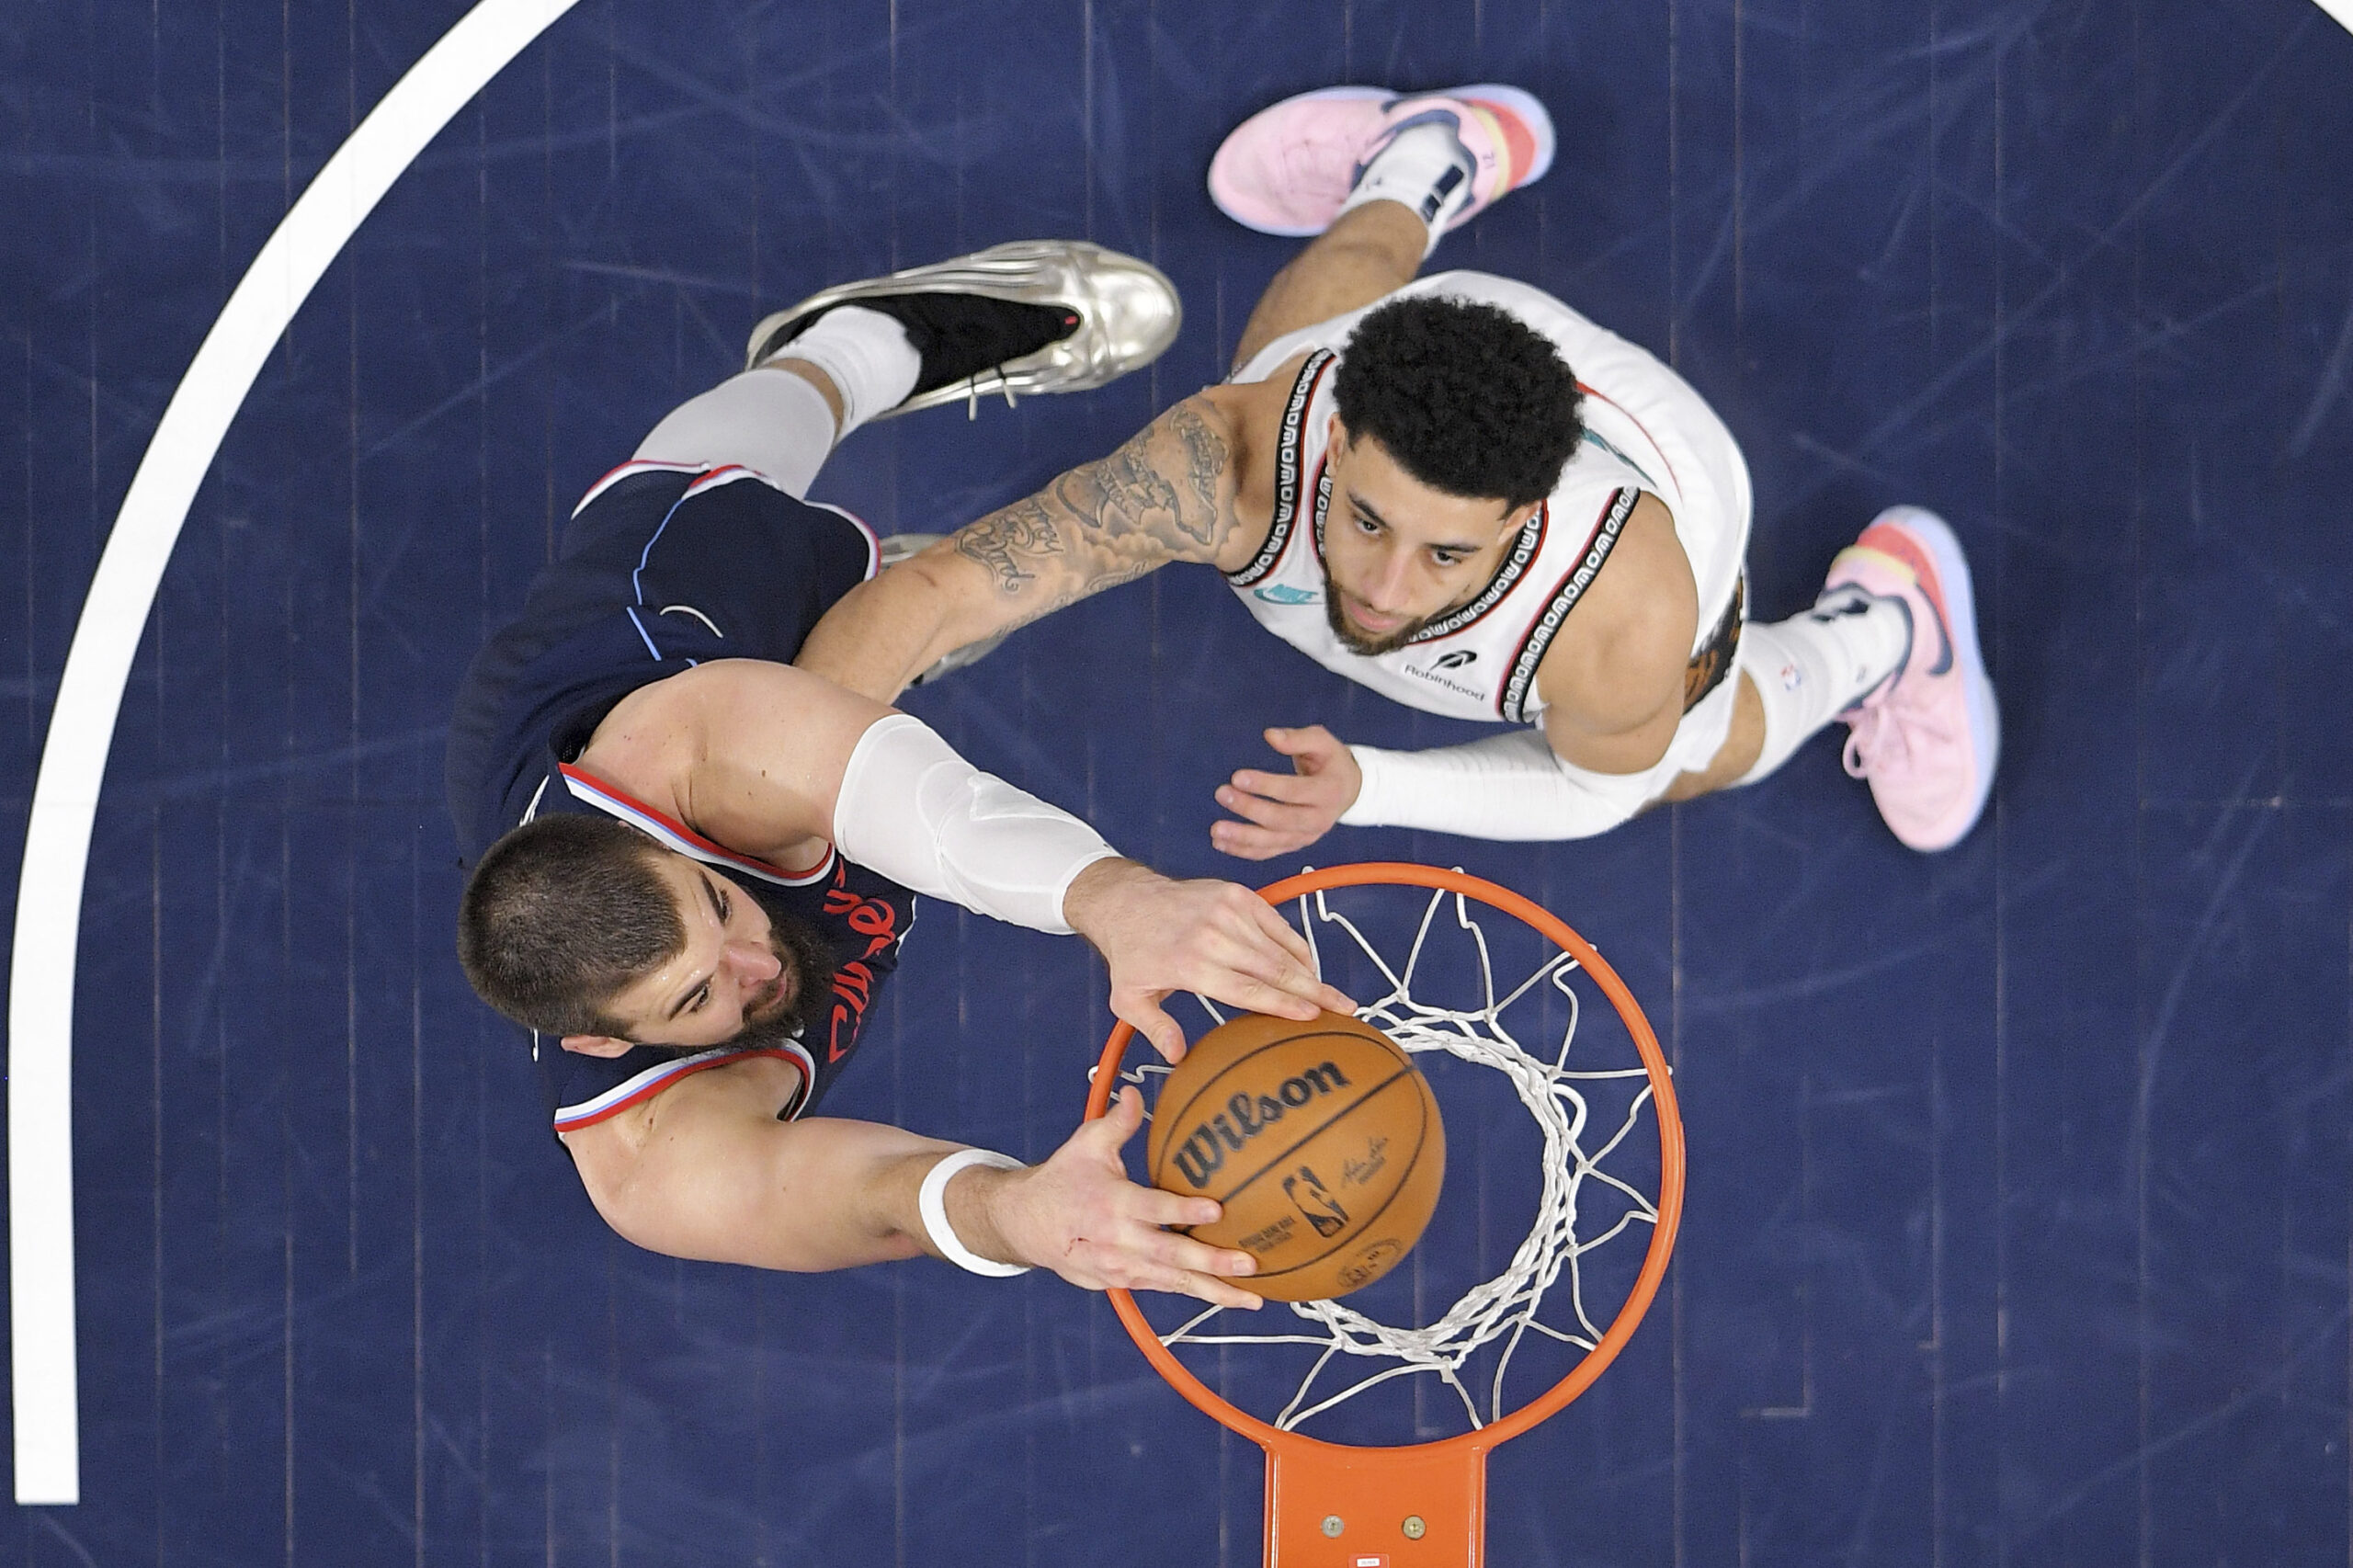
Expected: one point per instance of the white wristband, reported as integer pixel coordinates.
(932, 1204)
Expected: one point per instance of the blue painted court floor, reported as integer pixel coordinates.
(2018, 1226)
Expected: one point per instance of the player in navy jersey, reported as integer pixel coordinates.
(1460, 493)
(694, 864)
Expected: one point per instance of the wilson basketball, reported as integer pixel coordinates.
(1320, 1138)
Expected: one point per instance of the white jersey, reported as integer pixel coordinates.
(1646, 430)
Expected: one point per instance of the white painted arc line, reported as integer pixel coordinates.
(90, 697)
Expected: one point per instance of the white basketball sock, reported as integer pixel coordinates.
(867, 356)
(1426, 169)
(768, 420)
(1810, 667)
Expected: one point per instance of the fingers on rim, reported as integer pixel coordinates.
(1148, 1018)
(1282, 931)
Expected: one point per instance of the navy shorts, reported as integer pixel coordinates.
(662, 567)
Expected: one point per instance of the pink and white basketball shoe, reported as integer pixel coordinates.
(1286, 169)
(1928, 737)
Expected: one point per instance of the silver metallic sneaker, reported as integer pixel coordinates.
(898, 547)
(1126, 313)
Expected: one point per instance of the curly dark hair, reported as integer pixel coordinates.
(1468, 398)
(560, 916)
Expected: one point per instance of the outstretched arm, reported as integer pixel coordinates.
(770, 761)
(704, 1170)
(1613, 685)
(1168, 494)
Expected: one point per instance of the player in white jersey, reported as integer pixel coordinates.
(1463, 493)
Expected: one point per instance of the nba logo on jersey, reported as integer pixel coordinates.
(1369, 1559)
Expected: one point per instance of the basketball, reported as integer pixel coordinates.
(1320, 1138)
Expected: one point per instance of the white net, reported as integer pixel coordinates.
(1349, 1352)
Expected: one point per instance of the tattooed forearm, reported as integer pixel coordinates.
(1209, 468)
(1122, 495)
(1001, 541)
(1165, 495)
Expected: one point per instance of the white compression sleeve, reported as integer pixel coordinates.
(912, 809)
(1506, 787)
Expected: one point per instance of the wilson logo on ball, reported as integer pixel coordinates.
(1244, 1116)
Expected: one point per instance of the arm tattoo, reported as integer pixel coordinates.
(1000, 540)
(1207, 461)
(1165, 495)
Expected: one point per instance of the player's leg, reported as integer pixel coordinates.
(1890, 648)
(1743, 742)
(1377, 178)
(1368, 252)
(1031, 316)
(785, 416)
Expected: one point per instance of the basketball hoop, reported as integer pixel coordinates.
(1378, 930)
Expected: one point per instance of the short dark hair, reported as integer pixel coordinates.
(1468, 398)
(560, 916)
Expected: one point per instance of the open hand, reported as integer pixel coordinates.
(1079, 1215)
(1287, 812)
(1159, 936)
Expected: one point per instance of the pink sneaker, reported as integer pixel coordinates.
(1286, 168)
(1928, 737)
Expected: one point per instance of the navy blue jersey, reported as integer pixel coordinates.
(662, 567)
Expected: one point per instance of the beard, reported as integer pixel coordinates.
(1356, 642)
(804, 958)
(805, 969)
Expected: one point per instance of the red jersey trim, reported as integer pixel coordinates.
(643, 1087)
(633, 466)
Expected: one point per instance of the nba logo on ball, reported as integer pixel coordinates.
(1321, 1139)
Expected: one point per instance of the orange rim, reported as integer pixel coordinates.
(1670, 1149)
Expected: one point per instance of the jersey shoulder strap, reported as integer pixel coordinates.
(1290, 463)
